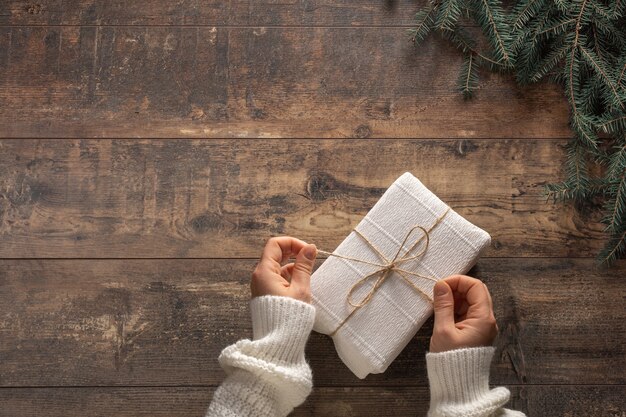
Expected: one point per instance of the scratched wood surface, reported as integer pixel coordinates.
(148, 150)
(164, 82)
(164, 321)
(210, 12)
(551, 400)
(163, 198)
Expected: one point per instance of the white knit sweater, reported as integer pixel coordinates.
(269, 376)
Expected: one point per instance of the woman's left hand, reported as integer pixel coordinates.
(293, 280)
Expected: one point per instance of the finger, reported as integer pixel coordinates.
(489, 295)
(301, 274)
(278, 249)
(472, 289)
(443, 306)
(286, 270)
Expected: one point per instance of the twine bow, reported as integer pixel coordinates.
(385, 270)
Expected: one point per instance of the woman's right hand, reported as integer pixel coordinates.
(463, 314)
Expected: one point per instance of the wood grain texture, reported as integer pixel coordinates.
(164, 322)
(173, 82)
(112, 335)
(554, 400)
(225, 198)
(210, 12)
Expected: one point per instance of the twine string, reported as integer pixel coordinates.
(387, 268)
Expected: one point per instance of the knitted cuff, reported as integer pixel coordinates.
(284, 324)
(460, 375)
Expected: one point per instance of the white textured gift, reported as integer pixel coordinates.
(392, 295)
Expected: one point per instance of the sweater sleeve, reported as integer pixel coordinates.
(459, 385)
(268, 375)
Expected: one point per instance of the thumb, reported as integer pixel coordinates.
(301, 275)
(443, 306)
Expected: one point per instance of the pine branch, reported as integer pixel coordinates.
(599, 67)
(621, 75)
(448, 14)
(562, 5)
(468, 78)
(547, 64)
(560, 26)
(615, 207)
(424, 25)
(605, 12)
(585, 130)
(466, 45)
(616, 218)
(590, 95)
(557, 78)
(613, 125)
(611, 34)
(573, 67)
(490, 17)
(577, 184)
(577, 44)
(526, 10)
(614, 249)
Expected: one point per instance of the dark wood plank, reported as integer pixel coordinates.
(210, 12)
(554, 400)
(225, 198)
(164, 322)
(172, 82)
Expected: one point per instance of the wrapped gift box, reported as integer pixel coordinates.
(370, 337)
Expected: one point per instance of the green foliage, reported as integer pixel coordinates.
(468, 78)
(615, 206)
(577, 183)
(579, 45)
(424, 24)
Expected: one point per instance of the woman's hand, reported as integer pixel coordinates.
(463, 314)
(289, 280)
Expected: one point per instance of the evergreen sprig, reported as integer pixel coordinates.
(578, 44)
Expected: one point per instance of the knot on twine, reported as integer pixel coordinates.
(386, 269)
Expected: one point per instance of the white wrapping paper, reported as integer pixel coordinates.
(376, 334)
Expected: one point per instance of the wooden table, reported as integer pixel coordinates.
(149, 149)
